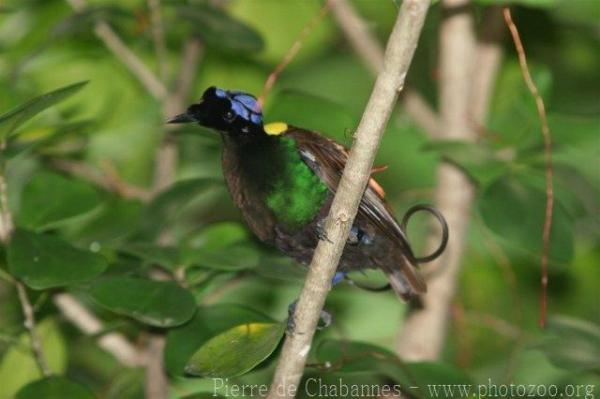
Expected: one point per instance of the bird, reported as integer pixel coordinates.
(283, 178)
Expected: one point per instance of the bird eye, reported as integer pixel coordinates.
(229, 116)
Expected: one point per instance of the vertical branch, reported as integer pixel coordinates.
(192, 50)
(539, 103)
(165, 163)
(368, 48)
(36, 342)
(424, 331)
(6, 222)
(158, 37)
(399, 52)
(156, 384)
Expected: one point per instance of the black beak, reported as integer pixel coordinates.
(181, 118)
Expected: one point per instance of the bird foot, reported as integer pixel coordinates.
(321, 234)
(325, 319)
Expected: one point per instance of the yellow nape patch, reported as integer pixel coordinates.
(275, 128)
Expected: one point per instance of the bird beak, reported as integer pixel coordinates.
(181, 118)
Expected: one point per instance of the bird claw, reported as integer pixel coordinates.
(325, 319)
(321, 234)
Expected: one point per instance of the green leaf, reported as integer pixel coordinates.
(427, 374)
(83, 20)
(54, 388)
(236, 351)
(11, 120)
(115, 220)
(46, 261)
(478, 160)
(572, 344)
(221, 31)
(49, 199)
(222, 246)
(167, 257)
(280, 267)
(218, 235)
(174, 204)
(60, 138)
(347, 357)
(513, 207)
(207, 322)
(157, 303)
(513, 118)
(18, 366)
(232, 258)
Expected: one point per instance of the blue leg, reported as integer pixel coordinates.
(338, 277)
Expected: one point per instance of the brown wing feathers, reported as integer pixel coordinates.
(327, 159)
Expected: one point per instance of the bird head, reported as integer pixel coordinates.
(232, 112)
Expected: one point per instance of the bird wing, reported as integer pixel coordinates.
(327, 159)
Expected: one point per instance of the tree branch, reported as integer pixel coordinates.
(192, 50)
(110, 180)
(114, 343)
(401, 46)
(6, 222)
(366, 45)
(165, 163)
(465, 84)
(36, 342)
(156, 381)
(158, 37)
(116, 45)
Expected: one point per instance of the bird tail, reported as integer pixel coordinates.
(405, 279)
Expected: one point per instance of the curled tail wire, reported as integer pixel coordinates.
(407, 248)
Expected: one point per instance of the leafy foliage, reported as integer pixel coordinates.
(179, 261)
(54, 387)
(44, 261)
(157, 303)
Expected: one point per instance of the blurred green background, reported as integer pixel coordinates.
(191, 232)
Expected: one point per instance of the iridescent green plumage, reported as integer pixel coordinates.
(298, 194)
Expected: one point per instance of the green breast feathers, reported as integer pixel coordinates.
(297, 194)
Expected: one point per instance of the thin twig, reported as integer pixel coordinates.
(114, 343)
(192, 50)
(158, 37)
(401, 46)
(116, 45)
(291, 54)
(36, 342)
(108, 180)
(541, 109)
(368, 48)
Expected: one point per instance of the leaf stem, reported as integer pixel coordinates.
(36, 343)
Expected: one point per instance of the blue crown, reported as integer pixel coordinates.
(243, 104)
